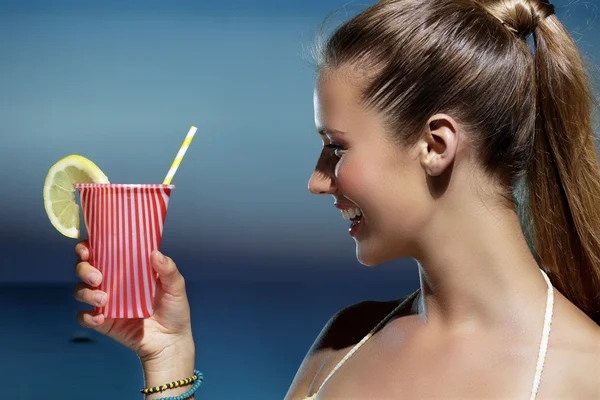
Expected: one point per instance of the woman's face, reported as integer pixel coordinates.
(367, 173)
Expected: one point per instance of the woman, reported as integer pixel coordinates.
(432, 112)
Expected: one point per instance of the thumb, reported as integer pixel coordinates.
(170, 280)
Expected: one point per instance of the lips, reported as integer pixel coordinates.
(355, 225)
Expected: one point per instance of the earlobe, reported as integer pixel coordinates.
(439, 145)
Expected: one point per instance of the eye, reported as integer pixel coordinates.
(335, 149)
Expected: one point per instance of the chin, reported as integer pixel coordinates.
(369, 257)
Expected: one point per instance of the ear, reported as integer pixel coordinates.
(439, 144)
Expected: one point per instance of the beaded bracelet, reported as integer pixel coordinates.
(190, 392)
(197, 377)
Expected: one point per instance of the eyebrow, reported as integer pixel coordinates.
(324, 131)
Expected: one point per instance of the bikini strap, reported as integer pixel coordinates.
(364, 339)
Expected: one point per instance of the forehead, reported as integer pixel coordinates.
(336, 100)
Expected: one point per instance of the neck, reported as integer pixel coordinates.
(480, 273)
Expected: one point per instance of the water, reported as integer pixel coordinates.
(250, 338)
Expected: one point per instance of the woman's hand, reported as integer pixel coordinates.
(165, 336)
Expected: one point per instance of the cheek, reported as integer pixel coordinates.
(359, 180)
(386, 189)
(347, 176)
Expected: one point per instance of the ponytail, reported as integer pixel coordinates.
(563, 181)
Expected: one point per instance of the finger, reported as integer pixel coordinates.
(82, 250)
(171, 280)
(88, 274)
(97, 322)
(83, 293)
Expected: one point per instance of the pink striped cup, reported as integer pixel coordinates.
(124, 223)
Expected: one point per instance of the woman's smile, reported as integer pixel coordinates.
(352, 213)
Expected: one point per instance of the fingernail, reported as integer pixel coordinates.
(161, 258)
(99, 298)
(93, 277)
(96, 318)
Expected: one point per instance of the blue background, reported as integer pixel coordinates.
(120, 82)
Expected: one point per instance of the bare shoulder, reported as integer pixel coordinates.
(585, 353)
(577, 355)
(344, 329)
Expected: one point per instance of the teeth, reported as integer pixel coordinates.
(350, 213)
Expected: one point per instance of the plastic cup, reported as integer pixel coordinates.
(124, 224)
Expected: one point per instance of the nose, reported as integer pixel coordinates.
(321, 183)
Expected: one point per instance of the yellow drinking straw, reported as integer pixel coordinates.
(180, 154)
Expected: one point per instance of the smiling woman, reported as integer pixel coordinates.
(431, 113)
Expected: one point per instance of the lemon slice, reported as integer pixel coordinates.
(59, 191)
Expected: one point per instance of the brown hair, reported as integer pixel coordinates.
(528, 109)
